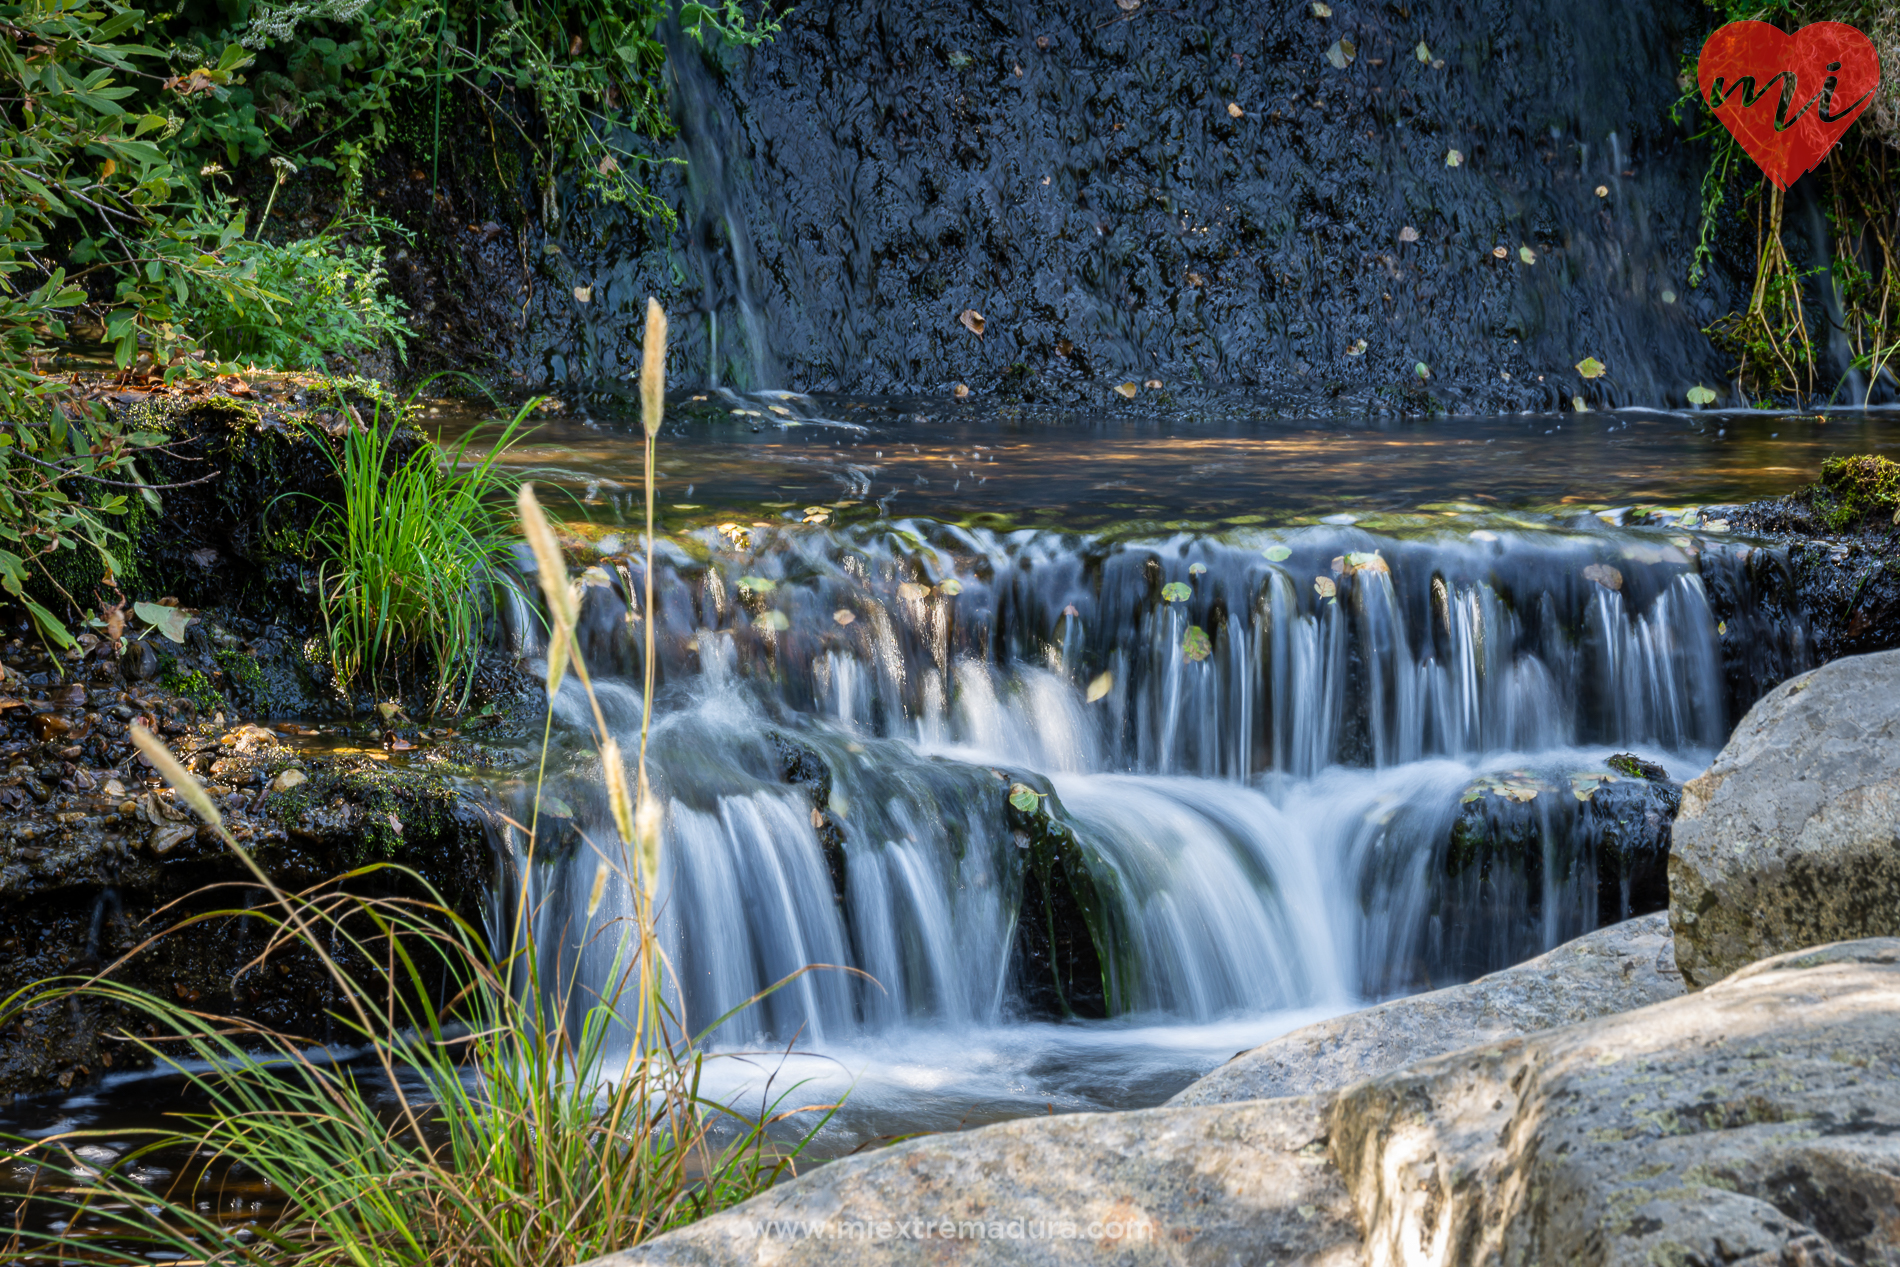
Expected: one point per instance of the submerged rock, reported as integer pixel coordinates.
(1792, 837)
(1628, 965)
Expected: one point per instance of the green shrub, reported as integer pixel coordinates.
(318, 298)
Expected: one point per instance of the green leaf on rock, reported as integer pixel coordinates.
(169, 621)
(1700, 395)
(1024, 797)
(1277, 554)
(1590, 367)
(1176, 592)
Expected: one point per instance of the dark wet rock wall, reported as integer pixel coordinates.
(1078, 175)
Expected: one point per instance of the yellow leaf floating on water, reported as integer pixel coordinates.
(1605, 575)
(1101, 686)
(1127, 390)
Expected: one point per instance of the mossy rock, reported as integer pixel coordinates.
(1072, 958)
(1856, 489)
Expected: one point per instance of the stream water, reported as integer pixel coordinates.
(1384, 615)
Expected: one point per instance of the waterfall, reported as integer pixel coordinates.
(1250, 824)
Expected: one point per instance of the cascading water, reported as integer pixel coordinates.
(1247, 757)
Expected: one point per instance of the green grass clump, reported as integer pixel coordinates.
(410, 556)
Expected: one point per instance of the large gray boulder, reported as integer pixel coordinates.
(1754, 1123)
(1614, 969)
(1234, 1184)
(1757, 1122)
(1792, 837)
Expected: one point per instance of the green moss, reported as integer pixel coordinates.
(244, 673)
(196, 687)
(1854, 489)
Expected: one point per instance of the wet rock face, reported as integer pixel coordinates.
(1792, 837)
(1615, 969)
(1209, 194)
(98, 857)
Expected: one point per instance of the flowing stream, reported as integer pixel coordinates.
(1256, 740)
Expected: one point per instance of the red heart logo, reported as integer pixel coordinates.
(1788, 98)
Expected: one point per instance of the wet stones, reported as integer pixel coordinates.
(1066, 954)
(1597, 840)
(1792, 837)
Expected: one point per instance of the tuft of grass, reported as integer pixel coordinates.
(410, 557)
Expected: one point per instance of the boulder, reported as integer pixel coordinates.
(1755, 1122)
(1792, 837)
(1615, 969)
(1225, 1184)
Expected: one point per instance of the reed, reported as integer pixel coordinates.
(478, 1125)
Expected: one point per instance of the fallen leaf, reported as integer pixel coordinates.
(972, 321)
(1603, 191)
(1422, 370)
(1454, 158)
(1605, 575)
(1176, 592)
(168, 620)
(1408, 234)
(1373, 562)
(1527, 255)
(1590, 367)
(1021, 795)
(776, 621)
(1153, 384)
(1234, 110)
(1196, 569)
(1579, 404)
(1195, 645)
(1127, 390)
(1341, 54)
(1700, 395)
(1277, 554)
(1358, 348)
(1101, 686)
(951, 586)
(1423, 52)
(608, 165)
(1500, 252)
(960, 391)
(758, 584)
(1669, 296)
(1322, 10)
(844, 617)
(1324, 587)
(583, 293)
(911, 592)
